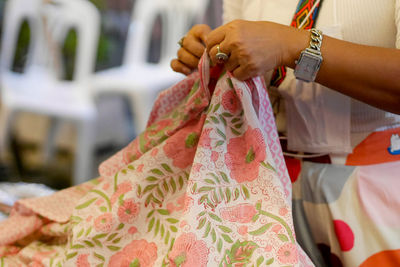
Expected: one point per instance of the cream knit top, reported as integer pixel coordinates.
(368, 22)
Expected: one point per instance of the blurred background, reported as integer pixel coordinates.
(78, 78)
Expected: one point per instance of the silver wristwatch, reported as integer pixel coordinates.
(310, 59)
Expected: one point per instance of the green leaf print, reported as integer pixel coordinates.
(86, 204)
(260, 260)
(157, 171)
(239, 254)
(71, 255)
(217, 106)
(167, 167)
(113, 248)
(283, 237)
(261, 230)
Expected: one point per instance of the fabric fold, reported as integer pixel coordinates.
(204, 185)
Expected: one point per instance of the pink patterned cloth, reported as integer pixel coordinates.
(204, 185)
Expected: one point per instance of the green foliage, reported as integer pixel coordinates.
(22, 47)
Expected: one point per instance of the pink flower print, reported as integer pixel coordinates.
(276, 228)
(131, 152)
(214, 156)
(128, 211)
(106, 186)
(140, 168)
(89, 218)
(82, 261)
(242, 230)
(245, 153)
(159, 126)
(242, 213)
(188, 251)
(110, 166)
(196, 167)
(132, 230)
(185, 203)
(181, 147)
(154, 152)
(104, 223)
(122, 188)
(136, 253)
(230, 101)
(217, 90)
(183, 224)
(288, 254)
(205, 139)
(268, 248)
(170, 207)
(283, 211)
(99, 202)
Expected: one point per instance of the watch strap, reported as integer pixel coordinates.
(304, 7)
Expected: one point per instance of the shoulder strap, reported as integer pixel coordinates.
(305, 17)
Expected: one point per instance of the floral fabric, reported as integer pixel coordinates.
(204, 185)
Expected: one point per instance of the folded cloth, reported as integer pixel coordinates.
(204, 185)
(11, 192)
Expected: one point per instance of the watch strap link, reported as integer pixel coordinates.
(315, 41)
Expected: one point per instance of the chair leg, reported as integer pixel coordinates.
(49, 145)
(84, 152)
(5, 130)
(142, 104)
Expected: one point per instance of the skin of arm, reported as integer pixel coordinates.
(366, 73)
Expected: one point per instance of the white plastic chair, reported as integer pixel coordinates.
(192, 12)
(138, 79)
(39, 89)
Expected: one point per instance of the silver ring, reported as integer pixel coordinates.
(220, 55)
(180, 42)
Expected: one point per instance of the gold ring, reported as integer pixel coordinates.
(220, 55)
(180, 42)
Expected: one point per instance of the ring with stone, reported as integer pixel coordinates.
(180, 42)
(220, 55)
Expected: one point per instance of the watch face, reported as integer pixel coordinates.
(307, 67)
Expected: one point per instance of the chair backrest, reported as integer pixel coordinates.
(144, 15)
(193, 12)
(177, 16)
(50, 23)
(58, 17)
(15, 13)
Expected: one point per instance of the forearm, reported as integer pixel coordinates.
(369, 74)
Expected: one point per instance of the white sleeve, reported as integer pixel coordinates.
(232, 10)
(397, 18)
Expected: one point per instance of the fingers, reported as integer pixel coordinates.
(193, 45)
(188, 58)
(233, 57)
(192, 48)
(215, 37)
(194, 41)
(178, 66)
(201, 31)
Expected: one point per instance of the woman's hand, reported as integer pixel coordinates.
(255, 47)
(192, 49)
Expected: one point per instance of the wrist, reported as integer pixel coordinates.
(297, 41)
